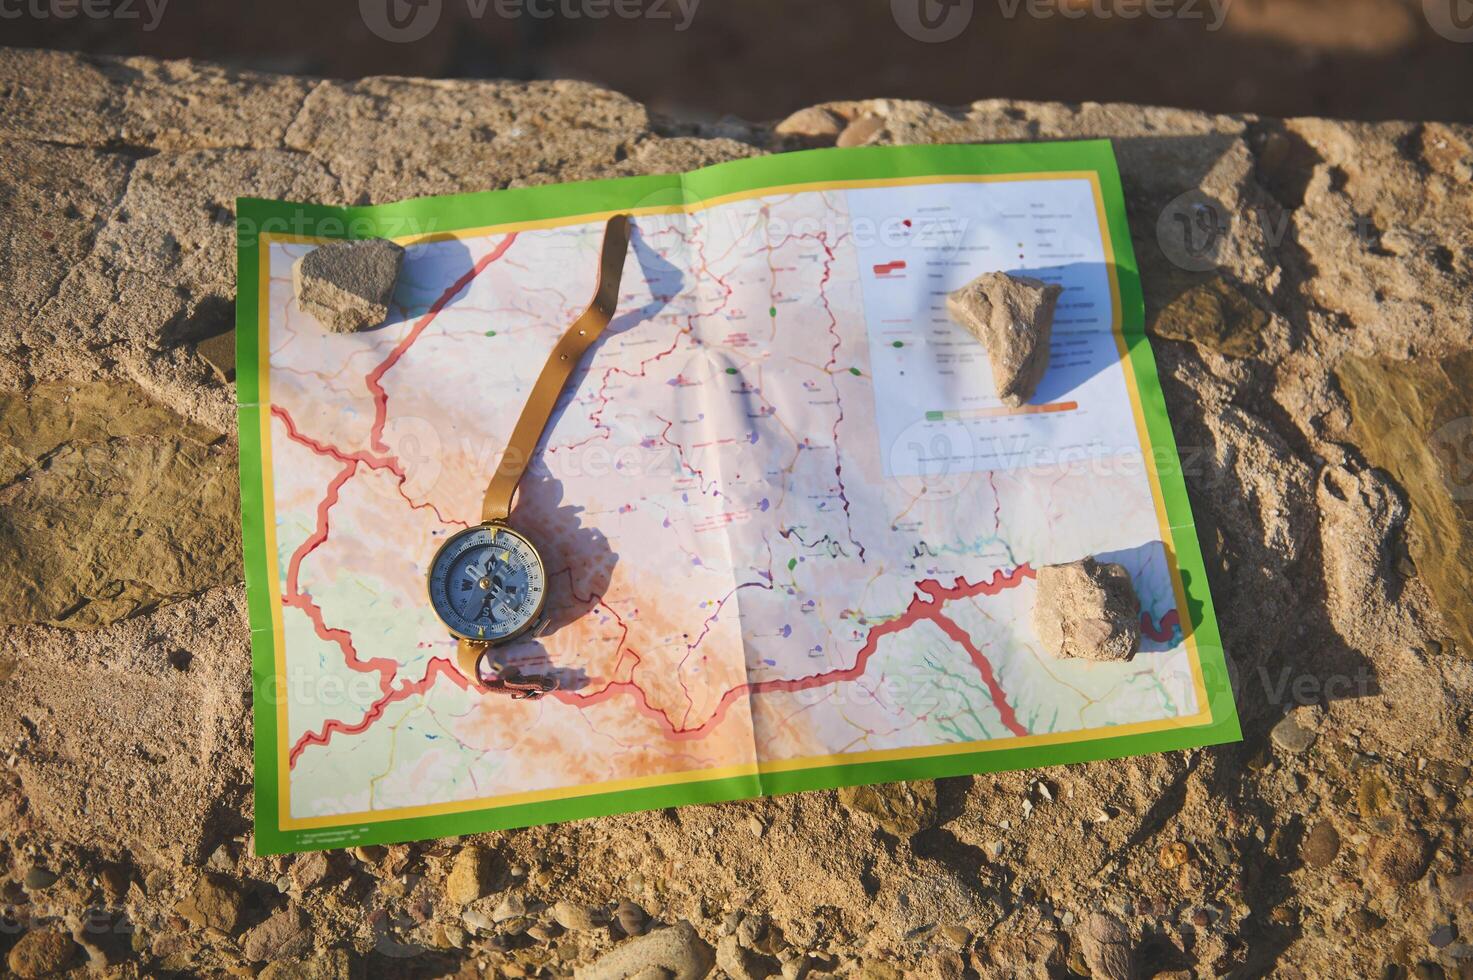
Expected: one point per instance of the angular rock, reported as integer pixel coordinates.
(40, 953)
(215, 903)
(94, 481)
(1107, 948)
(1291, 736)
(902, 809)
(512, 906)
(310, 870)
(1013, 317)
(740, 963)
(470, 876)
(219, 353)
(282, 936)
(334, 964)
(347, 286)
(1215, 315)
(677, 952)
(1087, 609)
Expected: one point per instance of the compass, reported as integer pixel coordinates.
(487, 583)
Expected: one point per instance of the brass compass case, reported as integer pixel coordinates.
(449, 546)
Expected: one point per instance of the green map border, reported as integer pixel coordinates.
(468, 211)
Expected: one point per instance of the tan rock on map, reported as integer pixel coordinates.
(1013, 317)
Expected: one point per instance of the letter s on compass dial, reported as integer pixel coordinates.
(487, 583)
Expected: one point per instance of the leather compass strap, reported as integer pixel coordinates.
(560, 365)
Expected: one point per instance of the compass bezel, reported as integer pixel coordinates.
(448, 546)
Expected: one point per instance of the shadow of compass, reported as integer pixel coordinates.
(579, 562)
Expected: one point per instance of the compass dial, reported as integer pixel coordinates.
(487, 583)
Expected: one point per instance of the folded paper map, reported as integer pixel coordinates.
(790, 532)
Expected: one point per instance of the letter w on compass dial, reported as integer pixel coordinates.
(488, 583)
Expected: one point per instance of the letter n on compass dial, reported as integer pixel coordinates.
(488, 583)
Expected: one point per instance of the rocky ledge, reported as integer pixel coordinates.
(1308, 291)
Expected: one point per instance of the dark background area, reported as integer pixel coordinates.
(760, 59)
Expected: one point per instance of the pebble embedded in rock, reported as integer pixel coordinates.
(740, 963)
(575, 917)
(631, 917)
(860, 131)
(1087, 609)
(470, 875)
(1013, 318)
(902, 809)
(347, 285)
(333, 964)
(310, 870)
(40, 953)
(215, 903)
(39, 879)
(814, 121)
(678, 951)
(114, 882)
(283, 935)
(1291, 736)
(512, 906)
(1321, 845)
(1400, 859)
(1107, 949)
(477, 921)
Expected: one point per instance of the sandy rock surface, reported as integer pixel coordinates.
(1307, 290)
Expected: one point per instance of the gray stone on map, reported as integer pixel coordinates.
(1087, 609)
(677, 952)
(1013, 317)
(347, 285)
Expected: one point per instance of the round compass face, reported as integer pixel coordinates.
(487, 583)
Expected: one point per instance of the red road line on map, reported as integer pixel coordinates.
(437, 666)
(381, 397)
(984, 667)
(386, 668)
(295, 599)
(327, 449)
(919, 609)
(372, 462)
(1166, 632)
